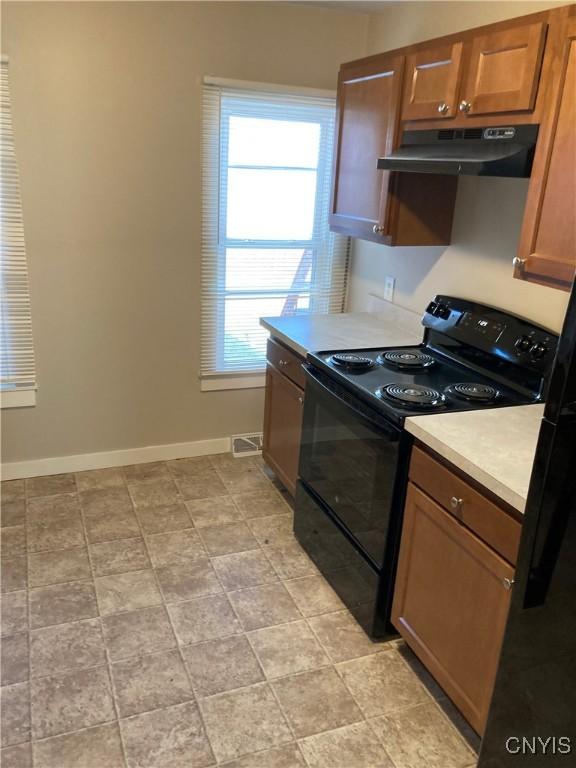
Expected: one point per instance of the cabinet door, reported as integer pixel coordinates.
(451, 603)
(503, 70)
(282, 426)
(547, 250)
(367, 121)
(432, 80)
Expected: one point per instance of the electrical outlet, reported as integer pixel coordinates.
(389, 288)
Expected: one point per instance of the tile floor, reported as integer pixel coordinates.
(163, 615)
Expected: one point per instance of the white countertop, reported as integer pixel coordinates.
(496, 447)
(349, 330)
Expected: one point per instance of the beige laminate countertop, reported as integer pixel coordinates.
(349, 330)
(496, 447)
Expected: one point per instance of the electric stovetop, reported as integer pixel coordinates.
(472, 357)
(408, 381)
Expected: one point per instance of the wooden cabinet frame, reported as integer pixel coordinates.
(405, 209)
(369, 72)
(449, 587)
(551, 260)
(512, 32)
(283, 408)
(535, 53)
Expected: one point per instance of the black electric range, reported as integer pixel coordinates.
(355, 453)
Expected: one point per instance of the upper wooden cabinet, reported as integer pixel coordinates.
(503, 70)
(368, 101)
(432, 81)
(547, 250)
(489, 73)
(395, 209)
(519, 71)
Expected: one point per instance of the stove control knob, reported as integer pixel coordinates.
(523, 343)
(537, 351)
(442, 311)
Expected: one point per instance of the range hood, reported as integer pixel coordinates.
(496, 151)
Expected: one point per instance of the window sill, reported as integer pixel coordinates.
(14, 398)
(256, 381)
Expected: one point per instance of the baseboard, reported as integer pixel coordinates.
(82, 461)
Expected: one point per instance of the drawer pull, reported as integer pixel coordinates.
(283, 362)
(508, 583)
(456, 503)
(300, 399)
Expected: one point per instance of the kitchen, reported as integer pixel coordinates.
(467, 276)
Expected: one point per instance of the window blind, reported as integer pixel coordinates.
(17, 368)
(266, 245)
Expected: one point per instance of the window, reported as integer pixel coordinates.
(17, 370)
(267, 248)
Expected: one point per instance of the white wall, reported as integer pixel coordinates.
(488, 216)
(107, 124)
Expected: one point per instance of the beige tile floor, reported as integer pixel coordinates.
(163, 615)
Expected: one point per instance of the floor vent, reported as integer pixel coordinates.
(247, 445)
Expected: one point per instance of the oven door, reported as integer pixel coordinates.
(350, 458)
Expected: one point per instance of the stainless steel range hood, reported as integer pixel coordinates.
(496, 151)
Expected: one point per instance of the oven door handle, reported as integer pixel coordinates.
(380, 424)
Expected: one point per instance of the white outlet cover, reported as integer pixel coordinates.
(389, 283)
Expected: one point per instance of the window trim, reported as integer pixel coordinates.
(17, 398)
(222, 381)
(213, 235)
(276, 88)
(18, 380)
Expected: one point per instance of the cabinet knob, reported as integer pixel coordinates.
(456, 503)
(518, 262)
(300, 399)
(283, 363)
(377, 229)
(443, 108)
(508, 583)
(464, 106)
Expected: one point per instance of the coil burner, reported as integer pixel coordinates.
(352, 362)
(478, 393)
(404, 359)
(412, 396)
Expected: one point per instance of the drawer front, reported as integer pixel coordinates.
(488, 521)
(285, 361)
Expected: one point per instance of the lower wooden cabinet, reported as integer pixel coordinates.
(284, 401)
(451, 603)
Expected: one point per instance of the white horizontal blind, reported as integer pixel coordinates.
(266, 245)
(17, 370)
